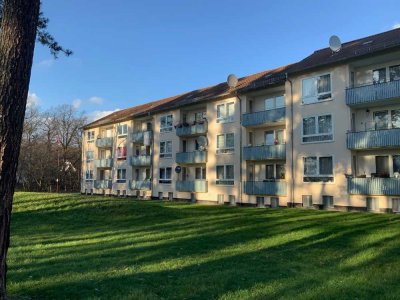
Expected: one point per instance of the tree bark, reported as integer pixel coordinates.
(17, 42)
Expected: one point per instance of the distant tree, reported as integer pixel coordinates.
(21, 23)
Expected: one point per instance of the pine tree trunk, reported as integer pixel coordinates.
(17, 42)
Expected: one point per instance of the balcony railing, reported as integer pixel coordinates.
(138, 137)
(273, 188)
(384, 138)
(103, 184)
(192, 130)
(103, 163)
(264, 152)
(264, 117)
(195, 157)
(140, 184)
(104, 142)
(374, 186)
(141, 161)
(196, 186)
(372, 93)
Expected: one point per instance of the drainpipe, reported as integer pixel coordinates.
(152, 156)
(240, 150)
(291, 139)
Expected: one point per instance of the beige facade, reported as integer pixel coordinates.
(325, 137)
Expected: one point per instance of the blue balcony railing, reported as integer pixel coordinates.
(362, 95)
(103, 163)
(195, 157)
(138, 137)
(192, 130)
(373, 186)
(384, 138)
(273, 188)
(103, 184)
(141, 161)
(104, 142)
(264, 117)
(140, 184)
(196, 186)
(264, 152)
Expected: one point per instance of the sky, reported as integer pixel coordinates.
(129, 52)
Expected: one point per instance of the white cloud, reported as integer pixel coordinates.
(46, 62)
(32, 100)
(395, 26)
(77, 103)
(97, 114)
(96, 100)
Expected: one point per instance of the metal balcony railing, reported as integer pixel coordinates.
(264, 152)
(384, 138)
(373, 186)
(273, 188)
(372, 93)
(195, 157)
(196, 186)
(264, 117)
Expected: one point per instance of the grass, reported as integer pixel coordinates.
(76, 247)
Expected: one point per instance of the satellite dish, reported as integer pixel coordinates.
(202, 141)
(232, 80)
(334, 43)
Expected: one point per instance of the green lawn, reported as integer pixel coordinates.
(72, 246)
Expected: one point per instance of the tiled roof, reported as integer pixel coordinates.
(373, 44)
(381, 42)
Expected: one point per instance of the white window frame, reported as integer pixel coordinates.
(318, 175)
(87, 156)
(317, 95)
(164, 180)
(225, 150)
(90, 136)
(165, 154)
(317, 129)
(91, 175)
(274, 101)
(122, 130)
(225, 117)
(126, 152)
(203, 173)
(121, 175)
(225, 180)
(166, 127)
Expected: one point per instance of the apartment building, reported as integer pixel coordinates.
(323, 133)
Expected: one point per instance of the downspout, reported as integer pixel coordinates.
(291, 141)
(152, 156)
(240, 150)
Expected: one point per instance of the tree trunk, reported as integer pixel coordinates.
(17, 42)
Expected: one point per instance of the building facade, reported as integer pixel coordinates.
(323, 132)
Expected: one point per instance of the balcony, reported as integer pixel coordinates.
(373, 186)
(103, 163)
(103, 184)
(138, 137)
(196, 186)
(104, 142)
(364, 140)
(140, 184)
(374, 93)
(264, 152)
(141, 161)
(195, 157)
(273, 188)
(271, 117)
(192, 130)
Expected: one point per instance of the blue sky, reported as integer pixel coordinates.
(130, 52)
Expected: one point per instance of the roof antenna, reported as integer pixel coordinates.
(334, 43)
(232, 80)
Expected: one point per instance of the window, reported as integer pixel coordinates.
(318, 169)
(121, 175)
(276, 171)
(381, 119)
(89, 175)
(396, 163)
(394, 73)
(122, 130)
(200, 173)
(382, 166)
(327, 201)
(165, 175)
(379, 75)
(317, 129)
(274, 202)
(396, 204)
(316, 89)
(225, 175)
(395, 118)
(166, 149)
(121, 152)
(280, 171)
(269, 172)
(225, 143)
(166, 123)
(275, 102)
(372, 204)
(90, 136)
(199, 116)
(307, 200)
(89, 156)
(225, 112)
